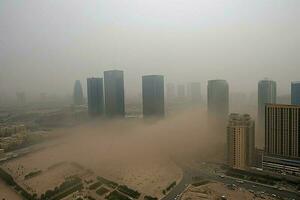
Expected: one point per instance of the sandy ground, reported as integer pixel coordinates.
(122, 158)
(213, 191)
(137, 153)
(8, 193)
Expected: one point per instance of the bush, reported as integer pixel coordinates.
(107, 182)
(101, 191)
(130, 192)
(116, 196)
(95, 185)
(150, 198)
(32, 174)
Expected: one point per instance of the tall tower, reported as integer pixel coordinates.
(95, 96)
(240, 141)
(181, 91)
(282, 144)
(218, 99)
(114, 93)
(295, 93)
(78, 94)
(194, 91)
(266, 94)
(170, 91)
(283, 130)
(153, 96)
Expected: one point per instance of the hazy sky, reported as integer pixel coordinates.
(46, 44)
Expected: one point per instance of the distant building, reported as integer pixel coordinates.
(295, 93)
(240, 141)
(266, 94)
(95, 96)
(114, 93)
(153, 96)
(78, 94)
(282, 136)
(218, 99)
(194, 92)
(171, 92)
(21, 98)
(181, 91)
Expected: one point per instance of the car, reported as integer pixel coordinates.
(223, 197)
(254, 186)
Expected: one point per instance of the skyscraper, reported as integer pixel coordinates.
(170, 91)
(218, 99)
(181, 91)
(295, 93)
(95, 96)
(283, 130)
(266, 94)
(114, 93)
(153, 96)
(240, 141)
(282, 139)
(78, 94)
(194, 91)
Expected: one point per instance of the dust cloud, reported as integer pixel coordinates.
(144, 155)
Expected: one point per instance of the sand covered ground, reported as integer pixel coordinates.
(214, 191)
(140, 154)
(8, 193)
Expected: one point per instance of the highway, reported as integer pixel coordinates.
(189, 175)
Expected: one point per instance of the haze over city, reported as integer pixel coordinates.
(149, 100)
(46, 44)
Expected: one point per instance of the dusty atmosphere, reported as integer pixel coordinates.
(140, 154)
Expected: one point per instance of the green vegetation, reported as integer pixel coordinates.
(95, 185)
(150, 198)
(8, 179)
(130, 192)
(109, 183)
(68, 187)
(115, 195)
(101, 191)
(32, 174)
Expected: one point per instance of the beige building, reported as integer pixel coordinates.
(240, 141)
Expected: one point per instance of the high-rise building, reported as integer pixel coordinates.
(114, 93)
(21, 98)
(240, 141)
(153, 96)
(266, 94)
(194, 92)
(283, 130)
(218, 99)
(95, 96)
(282, 139)
(171, 93)
(295, 93)
(78, 94)
(181, 91)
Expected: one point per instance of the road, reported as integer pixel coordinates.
(190, 173)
